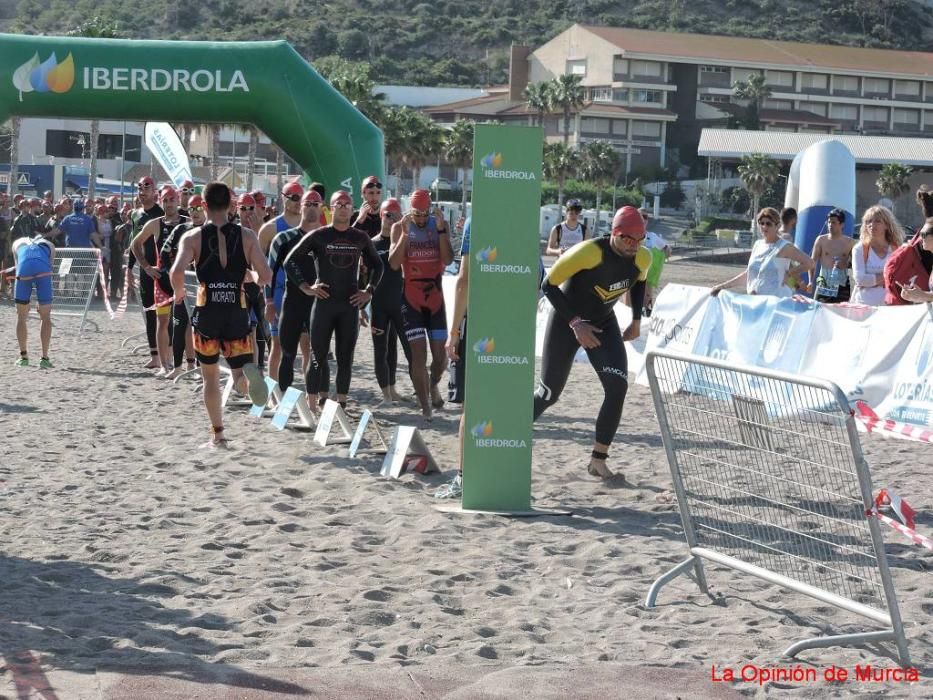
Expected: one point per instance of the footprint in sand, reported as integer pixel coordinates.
(292, 493)
(380, 596)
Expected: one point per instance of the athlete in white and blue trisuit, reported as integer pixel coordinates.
(34, 257)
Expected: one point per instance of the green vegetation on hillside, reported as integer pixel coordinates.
(466, 42)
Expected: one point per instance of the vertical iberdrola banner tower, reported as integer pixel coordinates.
(502, 304)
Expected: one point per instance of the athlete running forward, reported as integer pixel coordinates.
(337, 250)
(155, 232)
(34, 257)
(583, 286)
(182, 337)
(421, 248)
(295, 315)
(290, 218)
(222, 253)
(387, 324)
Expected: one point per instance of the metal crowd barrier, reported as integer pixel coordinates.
(75, 277)
(771, 482)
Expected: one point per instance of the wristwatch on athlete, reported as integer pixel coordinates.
(370, 290)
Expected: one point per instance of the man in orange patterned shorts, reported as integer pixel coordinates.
(223, 254)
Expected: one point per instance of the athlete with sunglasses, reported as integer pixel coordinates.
(583, 287)
(148, 209)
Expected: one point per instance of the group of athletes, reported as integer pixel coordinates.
(308, 277)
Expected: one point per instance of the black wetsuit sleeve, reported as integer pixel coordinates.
(637, 296)
(292, 268)
(374, 265)
(558, 300)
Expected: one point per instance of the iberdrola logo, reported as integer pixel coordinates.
(487, 254)
(47, 76)
(492, 160)
(485, 345)
(482, 430)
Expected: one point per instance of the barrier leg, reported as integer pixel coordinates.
(848, 640)
(681, 568)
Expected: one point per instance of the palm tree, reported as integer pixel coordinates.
(755, 90)
(566, 94)
(560, 162)
(458, 151)
(893, 181)
(392, 122)
(599, 165)
(14, 155)
(95, 28)
(539, 99)
(251, 156)
(758, 172)
(214, 150)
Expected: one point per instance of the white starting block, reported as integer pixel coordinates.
(228, 397)
(293, 400)
(275, 398)
(333, 411)
(377, 445)
(407, 450)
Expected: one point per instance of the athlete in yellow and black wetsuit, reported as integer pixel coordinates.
(583, 286)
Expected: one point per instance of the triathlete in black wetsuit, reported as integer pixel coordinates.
(223, 253)
(182, 339)
(337, 251)
(249, 217)
(148, 209)
(583, 286)
(387, 324)
(295, 318)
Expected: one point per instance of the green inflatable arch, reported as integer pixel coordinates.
(263, 83)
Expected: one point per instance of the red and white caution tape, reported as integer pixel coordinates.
(903, 511)
(872, 421)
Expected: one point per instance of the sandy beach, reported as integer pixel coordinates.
(126, 547)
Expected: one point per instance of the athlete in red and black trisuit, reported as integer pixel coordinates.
(182, 337)
(295, 314)
(154, 234)
(421, 248)
(583, 286)
(223, 254)
(289, 218)
(337, 251)
(148, 209)
(387, 324)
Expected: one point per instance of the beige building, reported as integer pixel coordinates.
(650, 93)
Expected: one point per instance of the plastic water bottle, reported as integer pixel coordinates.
(836, 277)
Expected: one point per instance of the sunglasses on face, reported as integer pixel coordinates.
(187, 190)
(927, 234)
(419, 212)
(343, 205)
(144, 187)
(246, 208)
(390, 215)
(293, 197)
(195, 210)
(633, 239)
(374, 186)
(311, 204)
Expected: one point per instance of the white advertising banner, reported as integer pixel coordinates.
(165, 146)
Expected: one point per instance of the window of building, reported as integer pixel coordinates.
(814, 81)
(844, 112)
(777, 104)
(643, 129)
(814, 107)
(619, 65)
(593, 125)
(910, 88)
(649, 69)
(845, 83)
(779, 78)
(576, 67)
(653, 96)
(619, 95)
(875, 114)
(715, 99)
(714, 69)
(743, 74)
(877, 85)
(619, 127)
(780, 127)
(907, 116)
(601, 93)
(67, 144)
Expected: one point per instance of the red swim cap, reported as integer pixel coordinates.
(113, 201)
(340, 196)
(260, 198)
(168, 193)
(391, 204)
(293, 188)
(628, 222)
(246, 200)
(420, 199)
(196, 201)
(146, 180)
(312, 196)
(187, 185)
(369, 182)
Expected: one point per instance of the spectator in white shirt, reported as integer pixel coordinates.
(880, 236)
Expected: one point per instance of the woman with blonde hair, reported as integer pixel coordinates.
(881, 235)
(769, 270)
